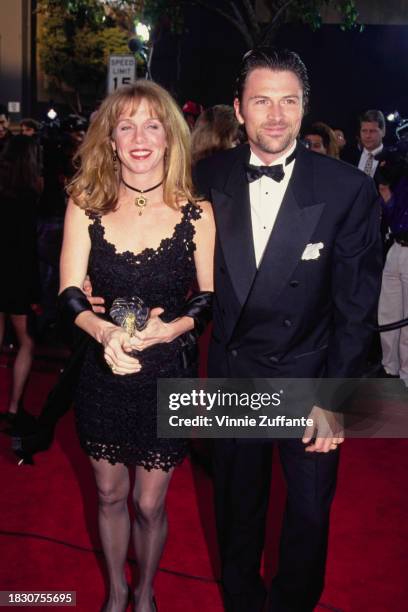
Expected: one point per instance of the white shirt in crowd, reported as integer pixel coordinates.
(265, 196)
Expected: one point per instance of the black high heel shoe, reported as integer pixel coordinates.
(8, 417)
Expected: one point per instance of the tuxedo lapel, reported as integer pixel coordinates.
(293, 230)
(234, 228)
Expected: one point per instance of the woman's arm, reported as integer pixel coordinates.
(76, 247)
(205, 243)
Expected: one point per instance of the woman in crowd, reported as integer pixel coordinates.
(20, 185)
(216, 129)
(132, 223)
(322, 139)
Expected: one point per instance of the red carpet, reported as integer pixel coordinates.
(48, 529)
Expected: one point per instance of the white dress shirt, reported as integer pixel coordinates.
(364, 158)
(265, 196)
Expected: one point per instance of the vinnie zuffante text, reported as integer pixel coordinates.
(222, 399)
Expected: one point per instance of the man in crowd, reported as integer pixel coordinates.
(317, 139)
(191, 111)
(297, 279)
(371, 134)
(394, 291)
(29, 127)
(5, 133)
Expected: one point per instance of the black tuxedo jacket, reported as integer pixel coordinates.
(352, 156)
(293, 317)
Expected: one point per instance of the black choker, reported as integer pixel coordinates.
(141, 201)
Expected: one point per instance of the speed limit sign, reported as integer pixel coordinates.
(122, 71)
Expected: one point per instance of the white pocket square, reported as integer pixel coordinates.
(312, 251)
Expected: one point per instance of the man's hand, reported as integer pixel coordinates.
(37, 309)
(95, 302)
(385, 192)
(327, 429)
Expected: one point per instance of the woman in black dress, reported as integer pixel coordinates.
(154, 247)
(20, 185)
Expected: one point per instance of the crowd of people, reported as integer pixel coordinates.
(232, 213)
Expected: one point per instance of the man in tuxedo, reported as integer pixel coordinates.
(297, 279)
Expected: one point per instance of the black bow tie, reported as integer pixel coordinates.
(253, 173)
(277, 173)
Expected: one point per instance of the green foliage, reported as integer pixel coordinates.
(85, 12)
(349, 12)
(74, 46)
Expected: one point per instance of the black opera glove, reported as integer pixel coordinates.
(71, 302)
(199, 307)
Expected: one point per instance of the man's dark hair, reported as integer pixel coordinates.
(374, 116)
(4, 111)
(30, 123)
(273, 59)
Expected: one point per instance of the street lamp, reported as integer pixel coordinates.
(142, 31)
(140, 46)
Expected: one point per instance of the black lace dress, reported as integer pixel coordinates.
(116, 415)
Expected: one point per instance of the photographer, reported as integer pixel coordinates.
(393, 306)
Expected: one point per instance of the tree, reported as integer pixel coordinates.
(77, 36)
(243, 14)
(75, 41)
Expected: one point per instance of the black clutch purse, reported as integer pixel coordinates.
(131, 313)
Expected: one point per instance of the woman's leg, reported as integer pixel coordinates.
(150, 529)
(23, 361)
(112, 482)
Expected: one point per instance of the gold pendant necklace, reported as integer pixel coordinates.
(141, 200)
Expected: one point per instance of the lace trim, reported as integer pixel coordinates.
(149, 459)
(91, 214)
(189, 212)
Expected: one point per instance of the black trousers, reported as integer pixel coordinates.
(242, 473)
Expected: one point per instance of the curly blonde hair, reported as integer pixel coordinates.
(95, 186)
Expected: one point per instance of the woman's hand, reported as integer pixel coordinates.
(117, 344)
(155, 332)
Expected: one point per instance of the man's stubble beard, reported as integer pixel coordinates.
(267, 145)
